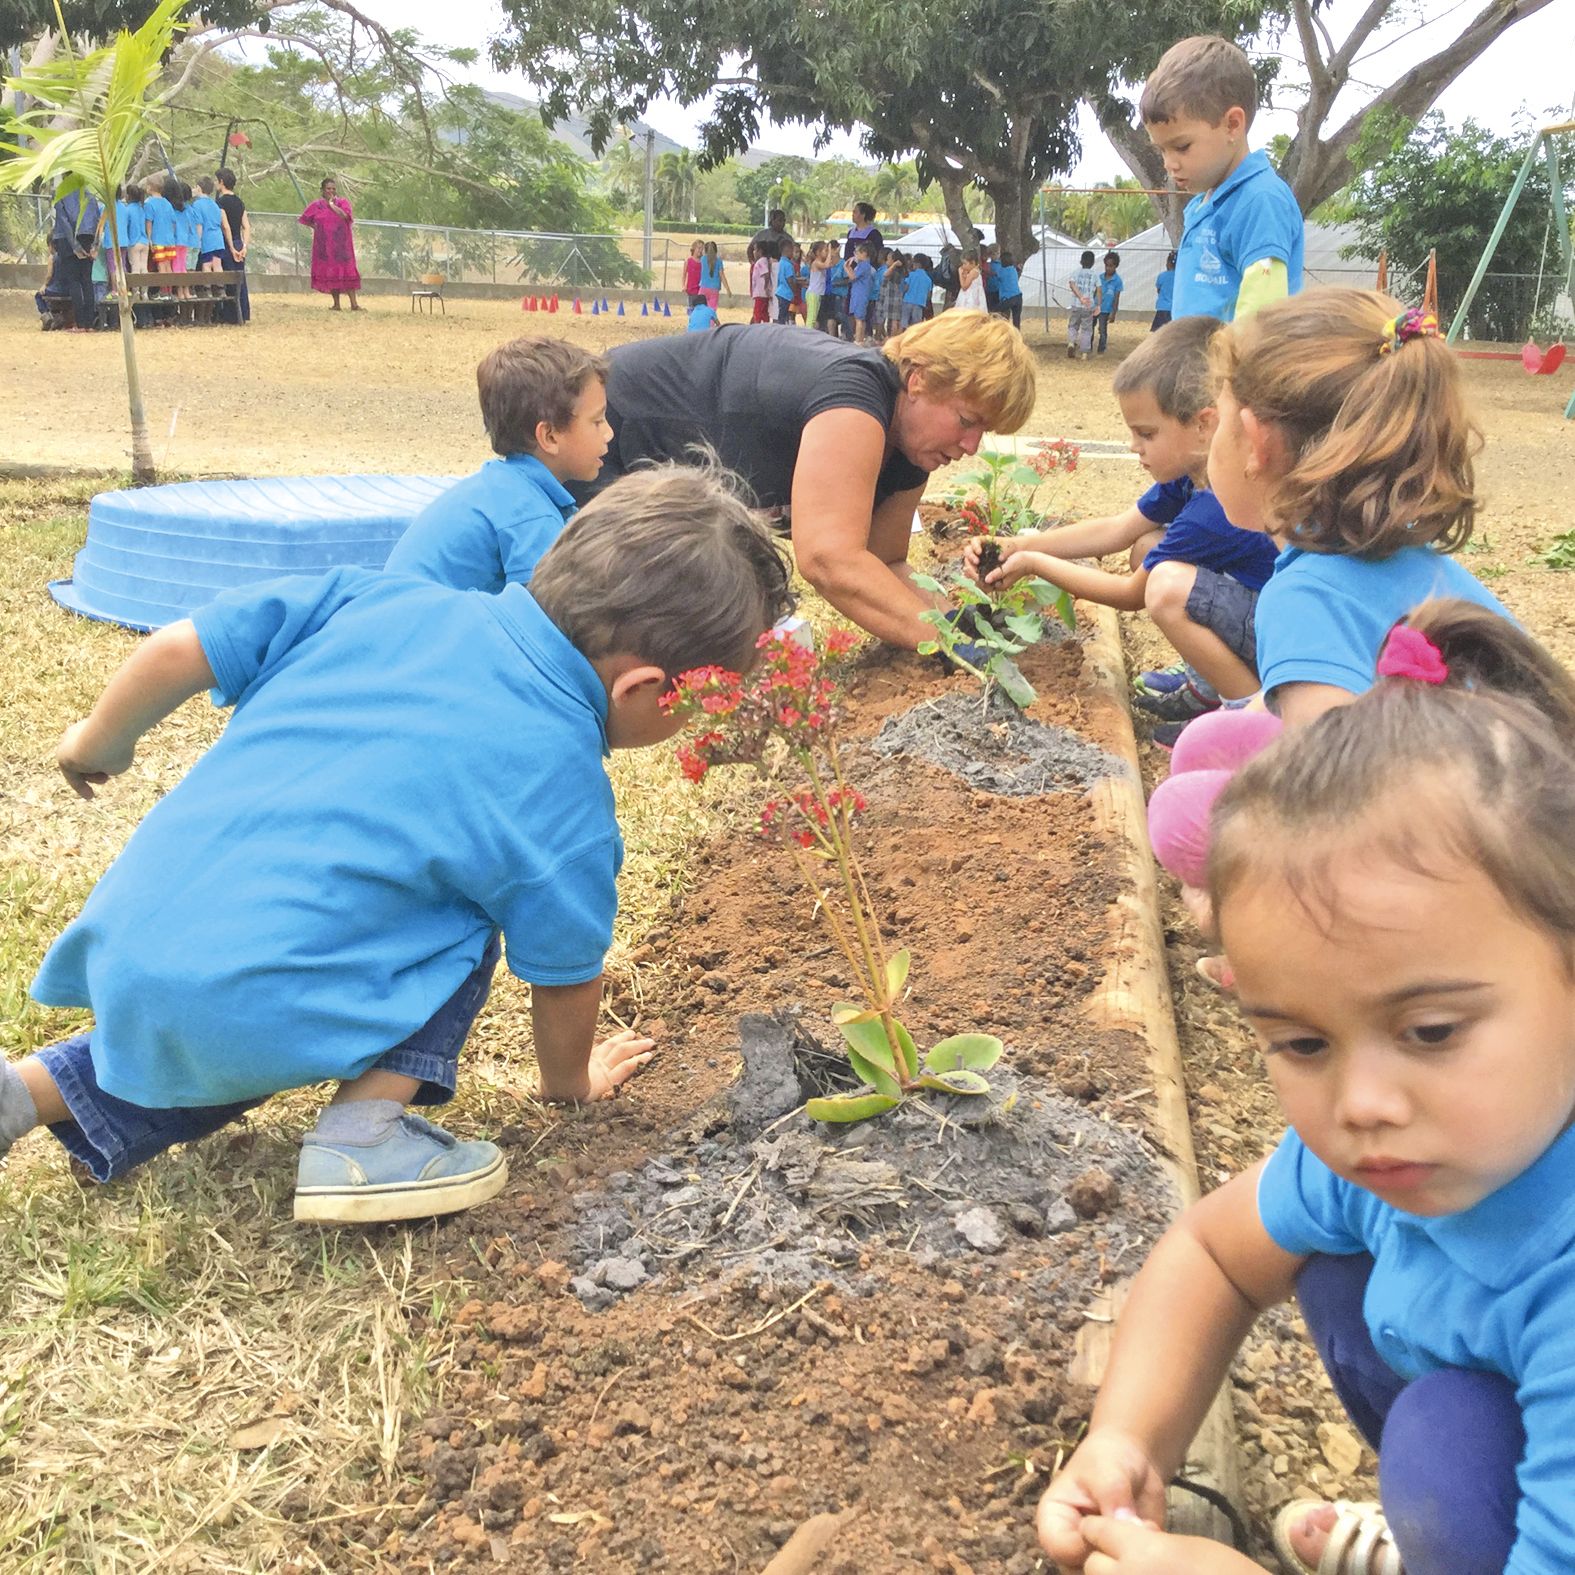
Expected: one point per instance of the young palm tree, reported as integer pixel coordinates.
(624, 167)
(88, 116)
(896, 188)
(677, 181)
(799, 202)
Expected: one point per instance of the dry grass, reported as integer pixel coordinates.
(143, 1323)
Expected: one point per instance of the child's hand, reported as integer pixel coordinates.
(1107, 1473)
(614, 1061)
(85, 762)
(1021, 565)
(1124, 1545)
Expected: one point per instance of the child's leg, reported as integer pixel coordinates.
(1451, 1510)
(1207, 616)
(108, 1135)
(368, 1160)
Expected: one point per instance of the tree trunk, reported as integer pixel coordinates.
(143, 473)
(954, 189)
(1144, 160)
(1014, 214)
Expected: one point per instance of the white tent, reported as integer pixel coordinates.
(932, 237)
(1143, 259)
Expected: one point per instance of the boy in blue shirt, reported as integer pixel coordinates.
(916, 291)
(210, 247)
(1008, 283)
(1195, 574)
(1110, 288)
(1164, 294)
(1242, 236)
(702, 317)
(544, 405)
(786, 273)
(409, 770)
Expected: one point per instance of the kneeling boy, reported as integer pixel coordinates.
(544, 404)
(408, 770)
(1196, 574)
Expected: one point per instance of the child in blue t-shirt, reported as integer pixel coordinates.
(409, 770)
(787, 272)
(861, 280)
(132, 223)
(1164, 294)
(1009, 289)
(210, 246)
(916, 291)
(1195, 574)
(1243, 235)
(702, 317)
(544, 405)
(1393, 889)
(1359, 466)
(1111, 285)
(1081, 315)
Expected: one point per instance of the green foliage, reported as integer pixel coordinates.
(1003, 626)
(753, 187)
(1559, 553)
(953, 1066)
(1116, 214)
(24, 20)
(1434, 186)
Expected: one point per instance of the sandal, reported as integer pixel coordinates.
(1360, 1541)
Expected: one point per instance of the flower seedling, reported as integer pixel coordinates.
(998, 629)
(782, 718)
(1000, 495)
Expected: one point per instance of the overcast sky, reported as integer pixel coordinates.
(1527, 69)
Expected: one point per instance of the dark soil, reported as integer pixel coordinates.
(796, 1319)
(989, 559)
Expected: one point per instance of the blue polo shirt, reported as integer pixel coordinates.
(211, 219)
(407, 769)
(1008, 281)
(1491, 1289)
(188, 230)
(487, 531)
(1323, 617)
(1110, 286)
(785, 272)
(916, 288)
(161, 216)
(702, 317)
(1250, 215)
(1164, 289)
(1197, 532)
(132, 223)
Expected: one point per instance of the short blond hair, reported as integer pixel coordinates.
(1204, 77)
(979, 359)
(1381, 440)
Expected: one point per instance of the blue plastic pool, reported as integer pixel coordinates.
(155, 554)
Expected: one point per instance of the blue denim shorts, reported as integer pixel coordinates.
(111, 1136)
(1226, 607)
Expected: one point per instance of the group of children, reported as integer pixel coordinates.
(1382, 839)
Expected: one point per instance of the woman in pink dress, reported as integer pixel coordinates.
(333, 251)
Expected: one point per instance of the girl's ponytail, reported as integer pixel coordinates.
(1381, 442)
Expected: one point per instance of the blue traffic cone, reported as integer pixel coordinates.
(605, 307)
(620, 308)
(667, 311)
(596, 308)
(645, 311)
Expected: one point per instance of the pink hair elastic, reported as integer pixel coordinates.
(1408, 653)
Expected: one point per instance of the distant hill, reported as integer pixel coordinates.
(574, 132)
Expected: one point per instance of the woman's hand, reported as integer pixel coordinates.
(614, 1061)
(1108, 1473)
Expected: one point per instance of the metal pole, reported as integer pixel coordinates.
(650, 196)
(1493, 240)
(1044, 264)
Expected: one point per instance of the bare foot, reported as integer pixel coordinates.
(1218, 971)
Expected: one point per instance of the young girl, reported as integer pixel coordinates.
(970, 295)
(692, 274)
(1396, 891)
(761, 268)
(713, 276)
(815, 290)
(891, 288)
(132, 223)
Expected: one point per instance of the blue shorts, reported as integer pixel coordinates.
(111, 1136)
(1225, 607)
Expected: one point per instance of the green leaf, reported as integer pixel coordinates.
(1065, 610)
(869, 1039)
(927, 582)
(1026, 626)
(896, 973)
(977, 1052)
(1023, 476)
(927, 647)
(970, 595)
(959, 1081)
(845, 1108)
(910, 1051)
(877, 1077)
(843, 1015)
(1014, 686)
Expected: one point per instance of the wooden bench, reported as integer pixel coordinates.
(154, 298)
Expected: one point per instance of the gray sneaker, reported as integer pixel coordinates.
(414, 1171)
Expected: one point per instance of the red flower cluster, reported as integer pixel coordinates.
(975, 517)
(1063, 454)
(239, 139)
(843, 803)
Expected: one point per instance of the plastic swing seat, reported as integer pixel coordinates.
(1541, 362)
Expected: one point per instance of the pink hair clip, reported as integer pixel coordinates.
(1408, 653)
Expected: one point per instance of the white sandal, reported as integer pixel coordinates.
(1360, 1542)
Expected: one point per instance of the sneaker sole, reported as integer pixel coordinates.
(400, 1200)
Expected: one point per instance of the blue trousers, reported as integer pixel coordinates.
(1448, 1443)
(111, 1136)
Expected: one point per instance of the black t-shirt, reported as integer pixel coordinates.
(873, 239)
(233, 208)
(747, 391)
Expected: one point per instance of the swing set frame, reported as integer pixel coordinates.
(1543, 144)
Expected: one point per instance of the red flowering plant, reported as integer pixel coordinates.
(782, 718)
(1001, 496)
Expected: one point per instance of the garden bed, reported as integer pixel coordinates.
(719, 1319)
